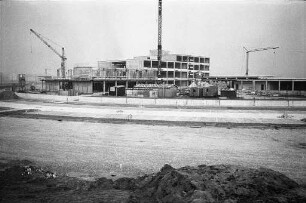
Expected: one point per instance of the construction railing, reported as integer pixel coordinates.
(128, 74)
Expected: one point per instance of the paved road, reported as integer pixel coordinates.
(101, 149)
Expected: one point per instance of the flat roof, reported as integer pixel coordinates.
(252, 78)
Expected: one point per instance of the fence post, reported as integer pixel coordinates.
(288, 102)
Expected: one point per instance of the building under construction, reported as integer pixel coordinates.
(177, 69)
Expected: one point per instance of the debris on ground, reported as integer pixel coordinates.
(285, 116)
(217, 183)
(8, 95)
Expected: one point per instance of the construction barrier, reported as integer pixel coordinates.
(165, 101)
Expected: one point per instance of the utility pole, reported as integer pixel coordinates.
(253, 50)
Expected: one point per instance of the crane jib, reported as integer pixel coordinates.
(62, 56)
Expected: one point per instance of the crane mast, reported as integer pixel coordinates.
(62, 55)
(254, 50)
(159, 46)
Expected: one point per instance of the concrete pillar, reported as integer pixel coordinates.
(241, 84)
(254, 85)
(116, 87)
(167, 72)
(292, 85)
(104, 86)
(127, 84)
(266, 85)
(164, 89)
(174, 76)
(279, 84)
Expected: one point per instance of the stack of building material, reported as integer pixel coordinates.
(118, 90)
(152, 91)
(203, 89)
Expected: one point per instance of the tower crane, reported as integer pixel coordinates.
(62, 56)
(159, 46)
(254, 50)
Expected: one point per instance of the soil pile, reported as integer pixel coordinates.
(8, 95)
(219, 183)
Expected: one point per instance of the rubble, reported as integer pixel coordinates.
(25, 173)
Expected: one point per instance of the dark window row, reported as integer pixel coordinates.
(199, 67)
(147, 64)
(175, 74)
(192, 59)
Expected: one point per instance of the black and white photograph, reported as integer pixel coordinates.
(153, 101)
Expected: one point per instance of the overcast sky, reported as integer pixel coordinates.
(117, 29)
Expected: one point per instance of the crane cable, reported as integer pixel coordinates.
(51, 41)
(31, 41)
(242, 67)
(274, 61)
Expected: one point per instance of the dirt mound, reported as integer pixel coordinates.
(219, 183)
(8, 95)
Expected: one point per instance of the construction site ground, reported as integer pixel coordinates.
(168, 121)
(90, 150)
(92, 141)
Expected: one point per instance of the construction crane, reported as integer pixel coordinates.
(254, 50)
(62, 56)
(159, 46)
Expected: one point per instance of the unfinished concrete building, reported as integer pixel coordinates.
(177, 69)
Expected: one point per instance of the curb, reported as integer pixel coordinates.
(20, 114)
